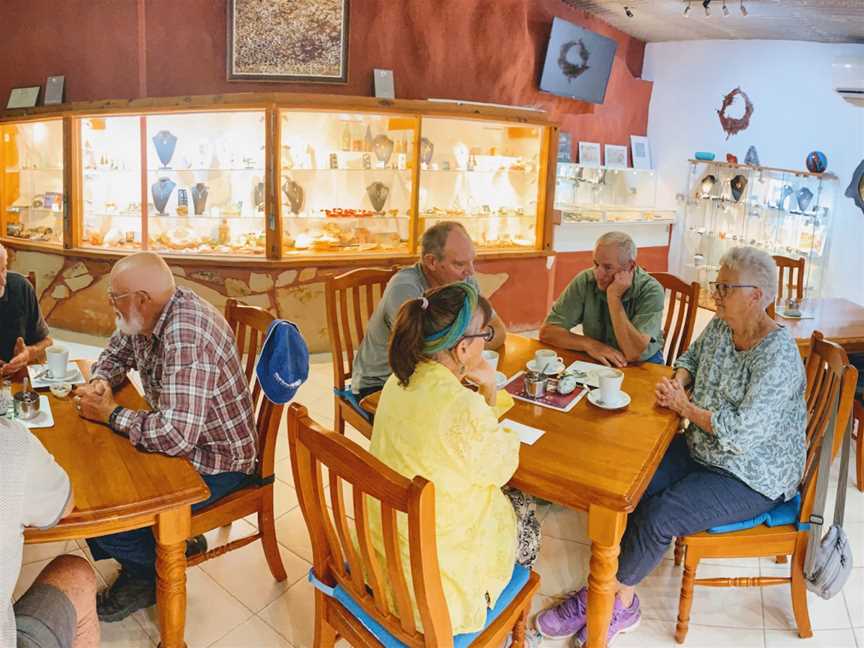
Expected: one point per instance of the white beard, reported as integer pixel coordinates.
(132, 326)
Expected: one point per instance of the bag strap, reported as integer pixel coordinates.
(840, 502)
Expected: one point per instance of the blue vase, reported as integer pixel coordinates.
(161, 190)
(165, 144)
(816, 162)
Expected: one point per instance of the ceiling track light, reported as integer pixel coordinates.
(743, 9)
(725, 9)
(706, 4)
(687, 8)
(628, 12)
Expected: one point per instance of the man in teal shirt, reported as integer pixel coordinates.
(618, 304)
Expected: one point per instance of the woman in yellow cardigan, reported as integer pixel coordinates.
(428, 423)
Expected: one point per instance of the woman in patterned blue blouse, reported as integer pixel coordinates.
(743, 452)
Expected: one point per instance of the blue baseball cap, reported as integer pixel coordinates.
(284, 361)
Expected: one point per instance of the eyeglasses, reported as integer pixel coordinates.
(487, 334)
(722, 289)
(113, 299)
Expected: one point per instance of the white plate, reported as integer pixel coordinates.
(73, 375)
(500, 379)
(594, 398)
(44, 419)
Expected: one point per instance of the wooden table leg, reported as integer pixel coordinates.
(605, 528)
(171, 530)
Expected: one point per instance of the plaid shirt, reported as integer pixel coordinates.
(194, 384)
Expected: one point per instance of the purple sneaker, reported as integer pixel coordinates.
(623, 620)
(566, 618)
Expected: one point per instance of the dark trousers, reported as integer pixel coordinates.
(136, 550)
(683, 497)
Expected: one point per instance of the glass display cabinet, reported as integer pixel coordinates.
(784, 212)
(31, 181)
(346, 181)
(486, 175)
(585, 194)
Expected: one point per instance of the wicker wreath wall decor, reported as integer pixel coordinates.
(734, 125)
(569, 69)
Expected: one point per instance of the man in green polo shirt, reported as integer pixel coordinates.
(618, 304)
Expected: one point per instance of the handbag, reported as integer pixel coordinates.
(828, 563)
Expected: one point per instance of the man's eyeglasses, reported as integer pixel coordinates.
(113, 299)
(722, 289)
(487, 334)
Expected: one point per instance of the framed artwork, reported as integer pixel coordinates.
(54, 90)
(641, 152)
(565, 146)
(286, 40)
(589, 154)
(23, 97)
(616, 156)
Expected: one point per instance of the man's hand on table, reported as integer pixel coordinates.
(605, 354)
(95, 400)
(21, 357)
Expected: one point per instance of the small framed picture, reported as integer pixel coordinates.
(589, 154)
(53, 91)
(641, 152)
(23, 97)
(565, 147)
(616, 156)
(384, 86)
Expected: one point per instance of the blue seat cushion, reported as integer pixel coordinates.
(517, 582)
(351, 398)
(784, 513)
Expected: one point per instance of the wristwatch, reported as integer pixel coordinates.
(113, 418)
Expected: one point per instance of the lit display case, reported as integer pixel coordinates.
(31, 181)
(346, 181)
(486, 175)
(783, 212)
(585, 194)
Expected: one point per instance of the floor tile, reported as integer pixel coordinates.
(253, 633)
(859, 636)
(211, 612)
(562, 565)
(820, 639)
(700, 636)
(292, 615)
(125, 634)
(566, 524)
(824, 615)
(223, 535)
(245, 574)
(284, 498)
(854, 593)
(651, 634)
(659, 593)
(292, 534)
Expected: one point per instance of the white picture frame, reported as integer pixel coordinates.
(589, 154)
(641, 151)
(23, 97)
(53, 91)
(615, 156)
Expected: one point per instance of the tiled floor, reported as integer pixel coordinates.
(234, 602)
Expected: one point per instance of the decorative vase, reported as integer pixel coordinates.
(182, 202)
(378, 193)
(752, 157)
(426, 150)
(707, 185)
(295, 195)
(367, 140)
(165, 144)
(816, 162)
(161, 190)
(382, 146)
(738, 184)
(804, 196)
(785, 192)
(199, 197)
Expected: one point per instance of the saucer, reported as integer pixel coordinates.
(500, 379)
(594, 397)
(71, 374)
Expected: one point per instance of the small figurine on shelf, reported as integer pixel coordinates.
(731, 159)
(182, 203)
(367, 140)
(752, 157)
(224, 232)
(345, 141)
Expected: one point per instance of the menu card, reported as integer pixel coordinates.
(516, 388)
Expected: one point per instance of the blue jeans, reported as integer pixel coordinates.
(136, 550)
(683, 497)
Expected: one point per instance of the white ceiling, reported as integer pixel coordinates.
(827, 21)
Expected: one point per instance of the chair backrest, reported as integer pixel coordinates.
(337, 560)
(680, 321)
(830, 382)
(249, 325)
(31, 277)
(791, 274)
(351, 299)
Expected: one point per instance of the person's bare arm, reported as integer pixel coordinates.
(563, 339)
(631, 340)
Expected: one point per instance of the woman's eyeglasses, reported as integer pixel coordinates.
(487, 334)
(722, 289)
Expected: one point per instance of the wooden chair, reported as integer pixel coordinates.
(858, 413)
(829, 377)
(683, 304)
(337, 561)
(791, 274)
(249, 324)
(351, 299)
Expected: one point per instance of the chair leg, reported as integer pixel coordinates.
(325, 634)
(799, 588)
(859, 458)
(519, 630)
(267, 528)
(685, 602)
(679, 551)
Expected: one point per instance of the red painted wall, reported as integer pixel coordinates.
(569, 264)
(481, 50)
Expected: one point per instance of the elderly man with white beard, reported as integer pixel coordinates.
(200, 405)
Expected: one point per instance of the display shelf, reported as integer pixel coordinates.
(825, 175)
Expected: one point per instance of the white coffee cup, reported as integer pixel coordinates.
(543, 356)
(57, 360)
(492, 358)
(610, 385)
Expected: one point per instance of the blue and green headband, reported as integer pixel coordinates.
(450, 335)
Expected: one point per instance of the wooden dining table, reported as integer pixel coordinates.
(839, 320)
(595, 460)
(118, 488)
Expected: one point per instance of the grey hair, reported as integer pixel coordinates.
(753, 266)
(622, 241)
(435, 238)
